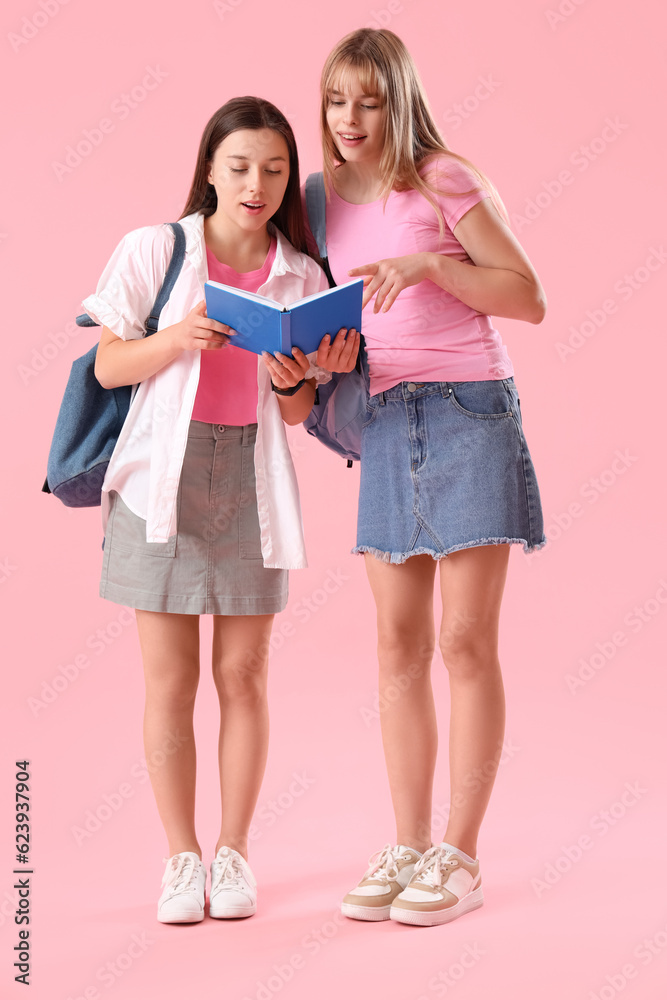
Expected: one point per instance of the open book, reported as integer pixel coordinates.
(266, 325)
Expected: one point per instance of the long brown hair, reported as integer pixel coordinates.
(386, 68)
(249, 113)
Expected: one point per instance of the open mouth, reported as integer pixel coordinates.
(253, 206)
(350, 138)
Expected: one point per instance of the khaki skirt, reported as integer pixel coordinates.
(213, 564)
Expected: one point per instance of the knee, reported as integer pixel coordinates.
(468, 653)
(174, 693)
(403, 646)
(241, 681)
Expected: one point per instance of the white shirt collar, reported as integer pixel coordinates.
(287, 259)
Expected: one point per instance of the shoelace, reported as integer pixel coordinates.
(433, 865)
(182, 876)
(382, 864)
(228, 871)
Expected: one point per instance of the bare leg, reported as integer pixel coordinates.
(170, 650)
(240, 662)
(406, 640)
(472, 582)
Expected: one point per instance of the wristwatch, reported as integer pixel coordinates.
(290, 391)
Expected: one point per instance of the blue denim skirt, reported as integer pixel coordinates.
(445, 466)
(213, 564)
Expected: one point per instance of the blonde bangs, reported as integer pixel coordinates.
(345, 68)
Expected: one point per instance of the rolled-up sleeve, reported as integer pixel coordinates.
(126, 290)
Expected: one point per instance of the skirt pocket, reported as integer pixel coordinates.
(481, 400)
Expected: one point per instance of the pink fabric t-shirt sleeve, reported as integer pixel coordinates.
(453, 178)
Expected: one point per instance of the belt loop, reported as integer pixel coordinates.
(246, 434)
(444, 389)
(382, 399)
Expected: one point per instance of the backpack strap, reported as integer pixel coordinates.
(173, 271)
(316, 206)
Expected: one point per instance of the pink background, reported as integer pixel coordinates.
(596, 925)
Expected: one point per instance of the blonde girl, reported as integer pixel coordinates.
(447, 480)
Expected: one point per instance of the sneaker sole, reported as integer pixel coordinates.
(232, 911)
(429, 918)
(185, 919)
(365, 912)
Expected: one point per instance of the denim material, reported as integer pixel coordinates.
(213, 563)
(445, 466)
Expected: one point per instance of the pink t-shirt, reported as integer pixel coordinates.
(428, 335)
(227, 389)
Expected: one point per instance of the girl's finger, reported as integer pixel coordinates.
(290, 366)
(351, 348)
(212, 343)
(364, 269)
(381, 296)
(301, 359)
(323, 351)
(370, 291)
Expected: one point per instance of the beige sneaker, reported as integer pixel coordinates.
(388, 873)
(444, 886)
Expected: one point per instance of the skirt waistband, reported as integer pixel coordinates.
(412, 390)
(215, 432)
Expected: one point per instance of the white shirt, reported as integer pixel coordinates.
(145, 466)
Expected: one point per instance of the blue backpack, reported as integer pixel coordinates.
(91, 417)
(340, 405)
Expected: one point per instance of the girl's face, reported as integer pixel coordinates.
(250, 171)
(356, 121)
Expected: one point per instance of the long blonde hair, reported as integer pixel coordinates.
(386, 68)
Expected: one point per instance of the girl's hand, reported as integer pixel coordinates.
(389, 277)
(286, 372)
(198, 331)
(341, 355)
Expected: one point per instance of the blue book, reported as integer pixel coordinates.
(266, 325)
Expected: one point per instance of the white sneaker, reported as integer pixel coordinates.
(388, 874)
(184, 893)
(233, 886)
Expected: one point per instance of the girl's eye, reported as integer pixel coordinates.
(242, 170)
